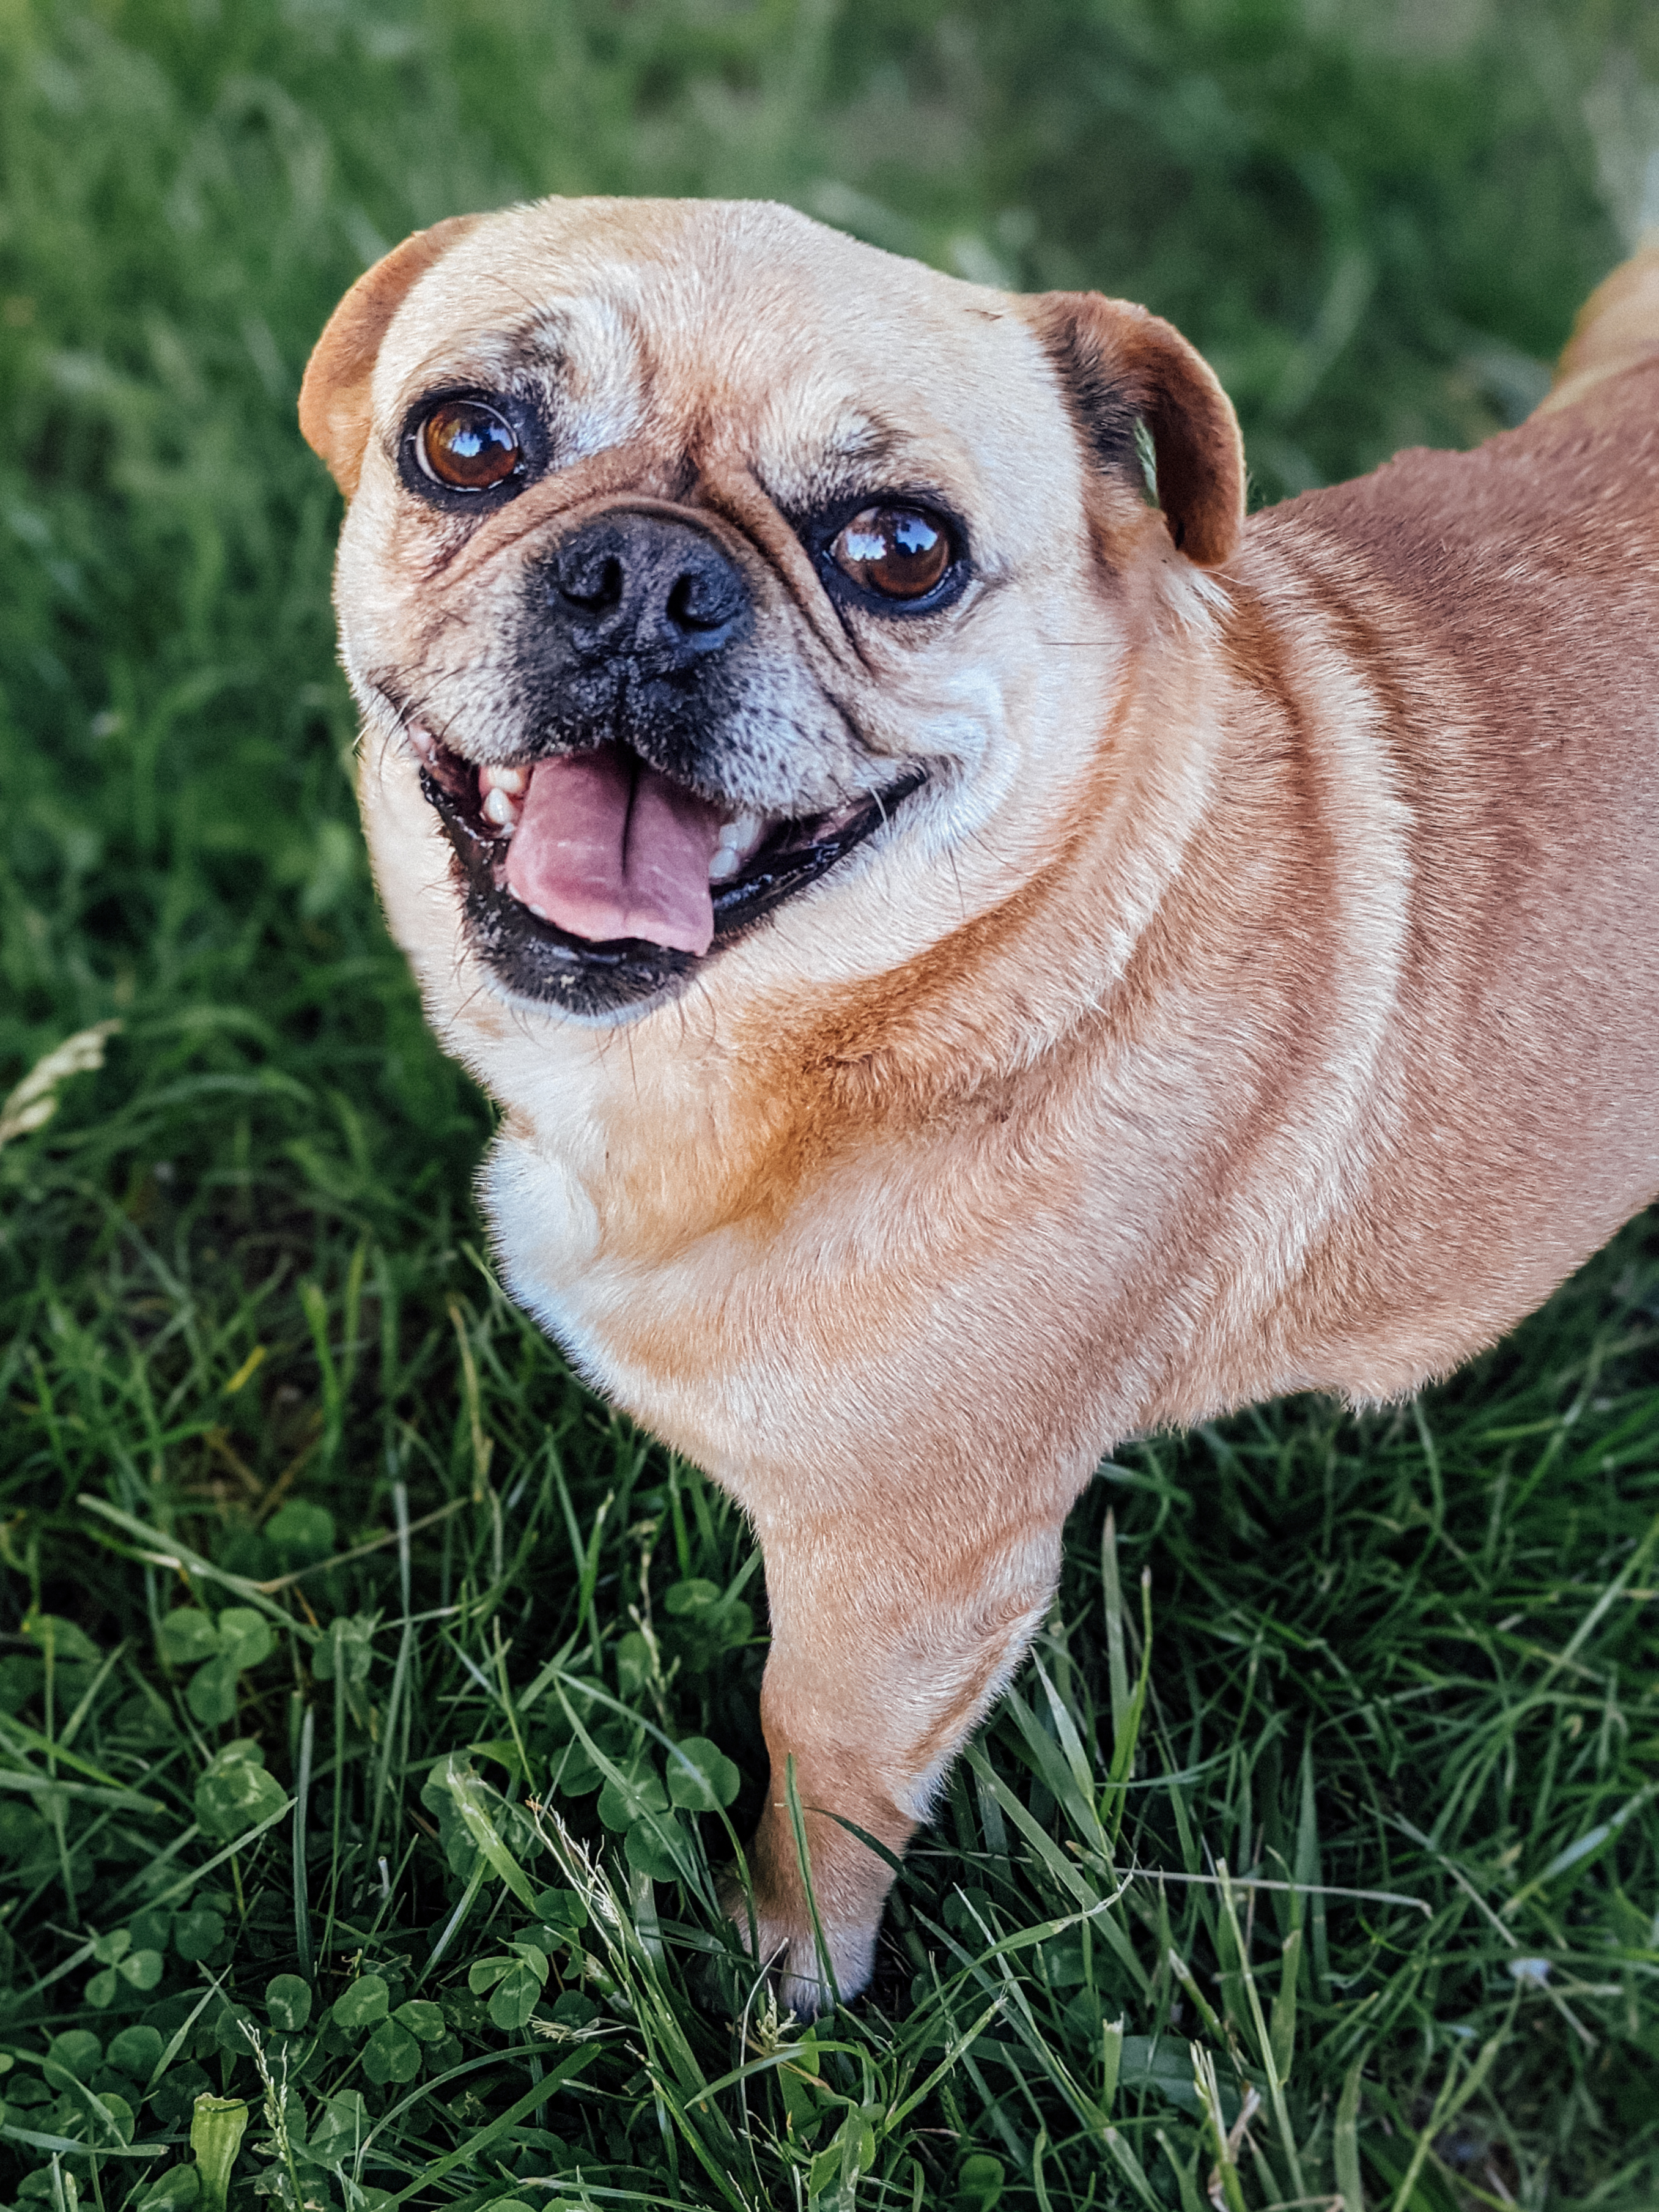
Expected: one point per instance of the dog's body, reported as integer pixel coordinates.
(1257, 988)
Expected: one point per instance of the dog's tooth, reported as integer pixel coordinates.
(737, 840)
(514, 779)
(422, 741)
(500, 808)
(539, 912)
(740, 835)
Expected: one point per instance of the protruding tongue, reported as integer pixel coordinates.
(607, 848)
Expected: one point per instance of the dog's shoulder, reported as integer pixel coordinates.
(1581, 482)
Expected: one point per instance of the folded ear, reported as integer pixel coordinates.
(1118, 363)
(334, 413)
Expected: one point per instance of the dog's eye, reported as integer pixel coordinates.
(467, 445)
(900, 552)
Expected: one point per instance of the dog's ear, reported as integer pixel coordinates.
(334, 397)
(1118, 364)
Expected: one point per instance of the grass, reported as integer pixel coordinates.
(375, 1705)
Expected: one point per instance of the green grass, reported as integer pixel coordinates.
(1392, 1742)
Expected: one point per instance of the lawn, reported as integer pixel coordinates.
(376, 1707)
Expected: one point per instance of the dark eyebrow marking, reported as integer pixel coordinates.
(868, 455)
(872, 443)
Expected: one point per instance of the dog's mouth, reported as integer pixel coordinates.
(594, 882)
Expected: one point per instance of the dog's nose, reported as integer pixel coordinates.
(647, 585)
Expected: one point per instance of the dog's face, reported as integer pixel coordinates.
(697, 557)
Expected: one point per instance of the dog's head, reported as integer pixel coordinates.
(698, 556)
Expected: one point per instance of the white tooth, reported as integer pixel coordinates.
(504, 779)
(422, 741)
(740, 835)
(539, 912)
(498, 807)
(726, 862)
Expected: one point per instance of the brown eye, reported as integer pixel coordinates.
(900, 552)
(467, 445)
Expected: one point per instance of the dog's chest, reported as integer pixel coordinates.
(712, 1325)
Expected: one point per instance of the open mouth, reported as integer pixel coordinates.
(594, 882)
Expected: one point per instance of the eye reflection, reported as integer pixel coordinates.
(898, 552)
(466, 446)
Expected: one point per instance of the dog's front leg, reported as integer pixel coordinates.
(888, 1644)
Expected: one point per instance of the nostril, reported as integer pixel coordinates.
(686, 604)
(595, 581)
(699, 600)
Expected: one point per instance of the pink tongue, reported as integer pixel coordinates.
(607, 848)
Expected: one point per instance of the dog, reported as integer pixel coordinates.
(982, 953)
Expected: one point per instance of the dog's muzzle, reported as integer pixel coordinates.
(644, 591)
(602, 867)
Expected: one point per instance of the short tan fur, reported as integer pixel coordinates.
(1261, 994)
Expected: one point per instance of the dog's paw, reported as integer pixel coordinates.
(790, 1955)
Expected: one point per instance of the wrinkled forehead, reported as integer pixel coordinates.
(733, 333)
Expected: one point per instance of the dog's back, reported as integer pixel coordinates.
(1501, 609)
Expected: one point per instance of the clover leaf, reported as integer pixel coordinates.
(122, 2123)
(141, 1970)
(198, 1933)
(348, 1649)
(178, 2188)
(230, 2024)
(244, 1636)
(186, 1635)
(574, 1773)
(150, 1931)
(287, 2001)
(517, 1995)
(220, 1651)
(134, 2051)
(634, 1665)
(517, 1981)
(692, 1595)
(979, 2184)
(211, 1695)
(700, 1604)
(340, 2126)
(472, 1817)
(307, 1531)
(648, 1850)
(362, 2003)
(392, 2054)
(236, 1793)
(102, 2118)
(639, 1791)
(77, 2050)
(703, 1622)
(562, 1912)
(701, 1777)
(69, 1646)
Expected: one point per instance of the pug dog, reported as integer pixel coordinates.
(981, 951)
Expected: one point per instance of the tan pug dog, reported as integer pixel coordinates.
(976, 965)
